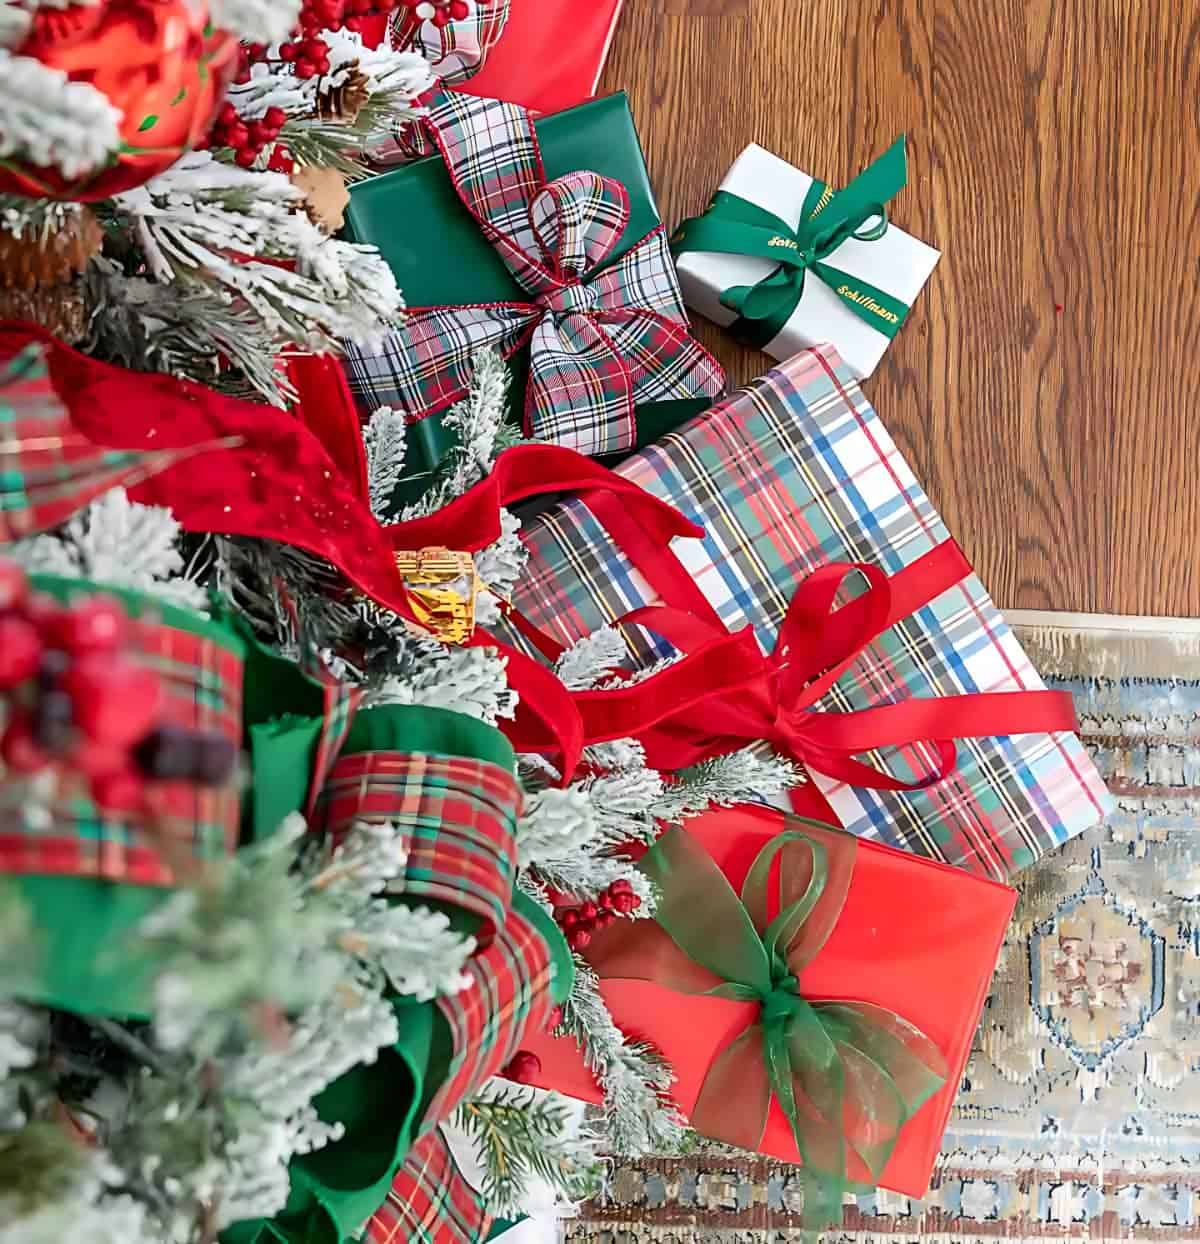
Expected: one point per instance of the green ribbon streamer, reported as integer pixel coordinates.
(735, 226)
(848, 1075)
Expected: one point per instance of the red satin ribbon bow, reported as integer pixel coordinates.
(726, 693)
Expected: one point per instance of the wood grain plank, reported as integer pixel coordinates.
(1055, 159)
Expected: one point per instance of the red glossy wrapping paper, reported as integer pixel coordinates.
(549, 57)
(917, 937)
(551, 54)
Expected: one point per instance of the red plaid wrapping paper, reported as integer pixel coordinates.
(458, 815)
(792, 474)
(202, 676)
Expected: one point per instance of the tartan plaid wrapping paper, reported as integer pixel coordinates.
(48, 470)
(787, 476)
(203, 683)
(601, 341)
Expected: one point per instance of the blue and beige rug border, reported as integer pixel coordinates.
(1079, 1118)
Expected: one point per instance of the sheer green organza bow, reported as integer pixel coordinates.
(847, 1075)
(735, 226)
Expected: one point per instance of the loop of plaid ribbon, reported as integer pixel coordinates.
(457, 50)
(457, 816)
(603, 339)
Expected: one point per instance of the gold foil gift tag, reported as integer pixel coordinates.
(443, 585)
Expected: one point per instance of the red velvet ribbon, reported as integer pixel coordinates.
(725, 693)
(299, 481)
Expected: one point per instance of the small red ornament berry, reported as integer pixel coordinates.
(115, 701)
(98, 760)
(588, 910)
(524, 1067)
(288, 51)
(622, 885)
(20, 651)
(460, 10)
(568, 917)
(118, 792)
(13, 585)
(98, 624)
(19, 750)
(274, 118)
(606, 899)
(626, 902)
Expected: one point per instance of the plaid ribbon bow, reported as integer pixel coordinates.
(457, 50)
(603, 339)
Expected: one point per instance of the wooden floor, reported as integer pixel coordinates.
(1047, 386)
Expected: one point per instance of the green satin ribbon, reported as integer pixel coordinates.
(847, 1075)
(734, 226)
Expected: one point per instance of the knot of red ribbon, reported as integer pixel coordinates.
(725, 692)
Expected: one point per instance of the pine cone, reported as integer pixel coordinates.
(35, 263)
(345, 102)
(62, 309)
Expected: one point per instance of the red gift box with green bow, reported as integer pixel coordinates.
(815, 994)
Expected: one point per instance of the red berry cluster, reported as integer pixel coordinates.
(247, 138)
(440, 12)
(579, 923)
(75, 697)
(308, 56)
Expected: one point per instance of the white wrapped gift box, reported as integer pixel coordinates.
(897, 262)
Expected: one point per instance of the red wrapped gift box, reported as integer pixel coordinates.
(915, 937)
(549, 57)
(551, 54)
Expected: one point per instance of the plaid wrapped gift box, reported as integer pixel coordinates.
(790, 475)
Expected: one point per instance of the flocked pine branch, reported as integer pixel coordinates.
(48, 121)
(207, 224)
(386, 441)
(592, 659)
(196, 332)
(256, 21)
(751, 773)
(524, 1137)
(117, 543)
(635, 1079)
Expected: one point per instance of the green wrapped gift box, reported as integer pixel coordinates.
(441, 258)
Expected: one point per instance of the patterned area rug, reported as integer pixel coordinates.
(1079, 1116)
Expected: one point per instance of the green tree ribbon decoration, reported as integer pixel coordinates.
(847, 1075)
(735, 226)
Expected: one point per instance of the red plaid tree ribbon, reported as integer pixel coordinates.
(602, 339)
(457, 50)
(458, 815)
(430, 1202)
(48, 469)
(201, 672)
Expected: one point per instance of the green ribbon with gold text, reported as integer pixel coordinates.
(847, 1075)
(735, 226)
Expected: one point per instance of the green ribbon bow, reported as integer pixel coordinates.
(848, 1075)
(734, 226)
